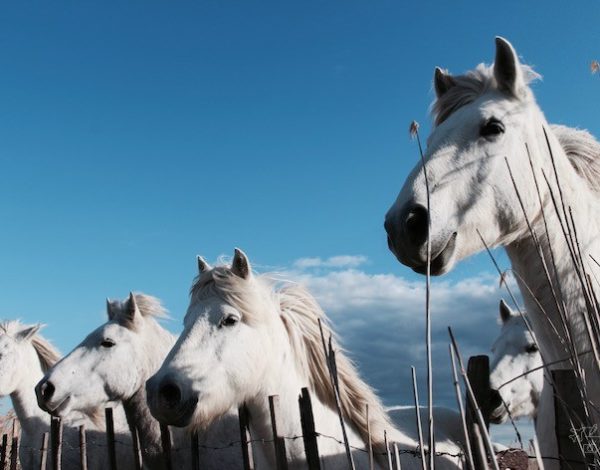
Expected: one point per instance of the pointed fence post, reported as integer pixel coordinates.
(571, 422)
(247, 456)
(478, 372)
(165, 437)
(278, 440)
(195, 451)
(4, 451)
(44, 451)
(110, 439)
(56, 432)
(308, 431)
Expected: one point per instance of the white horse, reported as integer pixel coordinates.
(112, 364)
(481, 118)
(245, 340)
(516, 372)
(24, 357)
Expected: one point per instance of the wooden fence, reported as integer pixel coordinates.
(570, 422)
(51, 445)
(477, 371)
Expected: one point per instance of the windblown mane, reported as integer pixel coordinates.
(148, 306)
(468, 87)
(300, 314)
(47, 354)
(582, 149)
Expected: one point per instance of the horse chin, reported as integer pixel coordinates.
(179, 417)
(442, 262)
(499, 415)
(62, 409)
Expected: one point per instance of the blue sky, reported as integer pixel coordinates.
(134, 136)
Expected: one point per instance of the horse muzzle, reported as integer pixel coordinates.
(407, 233)
(498, 411)
(168, 403)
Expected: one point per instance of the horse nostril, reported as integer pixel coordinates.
(416, 224)
(47, 390)
(170, 394)
(495, 400)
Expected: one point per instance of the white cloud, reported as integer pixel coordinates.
(342, 261)
(380, 319)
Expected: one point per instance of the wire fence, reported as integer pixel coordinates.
(49, 453)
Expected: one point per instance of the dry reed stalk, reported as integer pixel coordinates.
(461, 409)
(418, 413)
(483, 429)
(331, 365)
(370, 443)
(414, 129)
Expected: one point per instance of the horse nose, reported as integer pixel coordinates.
(46, 390)
(415, 224)
(169, 393)
(407, 229)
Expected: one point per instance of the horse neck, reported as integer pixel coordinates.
(286, 381)
(529, 267)
(158, 343)
(32, 419)
(139, 418)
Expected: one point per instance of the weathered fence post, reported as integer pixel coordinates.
(14, 453)
(308, 431)
(247, 455)
(44, 451)
(278, 440)
(195, 452)
(56, 431)
(110, 438)
(4, 452)
(570, 420)
(478, 372)
(82, 448)
(165, 438)
(137, 456)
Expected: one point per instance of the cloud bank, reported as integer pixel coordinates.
(380, 319)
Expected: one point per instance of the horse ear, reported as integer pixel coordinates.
(505, 311)
(442, 81)
(203, 266)
(28, 332)
(240, 266)
(130, 312)
(507, 68)
(111, 309)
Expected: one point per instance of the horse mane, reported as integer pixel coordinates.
(46, 352)
(300, 314)
(583, 152)
(150, 306)
(470, 86)
(581, 147)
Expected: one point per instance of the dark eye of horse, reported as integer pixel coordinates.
(491, 128)
(107, 343)
(531, 348)
(229, 321)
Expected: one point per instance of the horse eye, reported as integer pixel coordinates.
(491, 128)
(229, 321)
(107, 343)
(531, 348)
